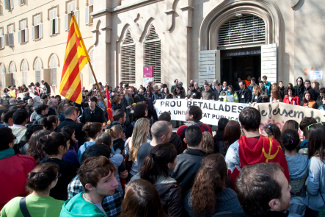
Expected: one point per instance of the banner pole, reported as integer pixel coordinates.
(101, 95)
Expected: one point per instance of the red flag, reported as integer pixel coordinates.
(109, 105)
(76, 57)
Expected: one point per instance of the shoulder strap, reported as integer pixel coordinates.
(23, 207)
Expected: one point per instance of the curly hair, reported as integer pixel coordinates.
(209, 181)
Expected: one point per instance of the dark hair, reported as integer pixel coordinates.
(48, 121)
(232, 133)
(93, 99)
(140, 110)
(256, 187)
(118, 113)
(304, 123)
(52, 143)
(290, 139)
(196, 112)
(250, 119)
(40, 108)
(92, 128)
(7, 115)
(41, 177)
(316, 141)
(36, 147)
(221, 127)
(95, 151)
(142, 200)
(20, 116)
(69, 111)
(232, 89)
(322, 90)
(165, 116)
(7, 137)
(273, 130)
(193, 136)
(68, 131)
(156, 163)
(93, 169)
(289, 88)
(209, 181)
(243, 82)
(104, 138)
(290, 124)
(304, 98)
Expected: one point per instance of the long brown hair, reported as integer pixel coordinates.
(316, 141)
(142, 200)
(209, 181)
(232, 133)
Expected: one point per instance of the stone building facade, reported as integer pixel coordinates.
(184, 39)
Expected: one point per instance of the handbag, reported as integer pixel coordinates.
(23, 207)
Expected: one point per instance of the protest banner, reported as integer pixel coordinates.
(274, 113)
(279, 113)
(212, 111)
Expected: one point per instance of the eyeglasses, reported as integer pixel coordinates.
(313, 124)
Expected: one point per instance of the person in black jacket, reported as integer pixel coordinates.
(156, 169)
(244, 95)
(71, 119)
(92, 113)
(188, 163)
(300, 88)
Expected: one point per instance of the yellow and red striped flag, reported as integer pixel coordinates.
(76, 57)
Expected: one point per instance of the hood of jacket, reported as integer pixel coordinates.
(298, 166)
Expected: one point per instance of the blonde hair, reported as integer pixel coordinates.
(115, 131)
(139, 136)
(207, 143)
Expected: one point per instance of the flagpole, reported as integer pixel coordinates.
(101, 95)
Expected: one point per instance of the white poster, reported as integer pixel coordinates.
(212, 111)
(316, 75)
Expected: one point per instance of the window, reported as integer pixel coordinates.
(242, 29)
(2, 39)
(9, 4)
(91, 77)
(53, 69)
(24, 70)
(12, 72)
(3, 75)
(54, 22)
(152, 53)
(89, 10)
(38, 69)
(21, 2)
(128, 59)
(10, 35)
(23, 32)
(37, 32)
(71, 6)
(1, 10)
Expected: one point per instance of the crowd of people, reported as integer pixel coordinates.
(58, 158)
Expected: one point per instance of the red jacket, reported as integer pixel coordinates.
(293, 99)
(259, 150)
(181, 131)
(14, 172)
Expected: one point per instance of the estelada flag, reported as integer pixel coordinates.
(76, 57)
(109, 105)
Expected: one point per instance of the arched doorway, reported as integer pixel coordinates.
(240, 38)
(239, 41)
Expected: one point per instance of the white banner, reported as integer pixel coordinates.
(212, 110)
